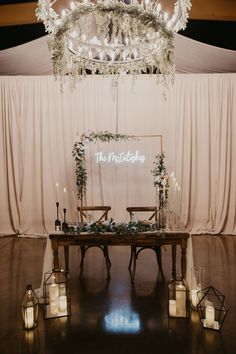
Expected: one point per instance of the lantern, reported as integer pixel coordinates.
(178, 296)
(29, 309)
(197, 283)
(211, 308)
(56, 294)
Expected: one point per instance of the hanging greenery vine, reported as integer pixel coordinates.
(161, 182)
(79, 155)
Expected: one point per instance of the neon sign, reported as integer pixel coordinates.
(122, 157)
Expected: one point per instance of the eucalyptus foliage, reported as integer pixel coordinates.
(131, 227)
(161, 182)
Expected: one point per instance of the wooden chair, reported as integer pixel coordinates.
(153, 216)
(94, 214)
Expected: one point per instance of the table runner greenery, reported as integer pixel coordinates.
(118, 228)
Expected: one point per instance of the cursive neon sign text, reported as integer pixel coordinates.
(122, 157)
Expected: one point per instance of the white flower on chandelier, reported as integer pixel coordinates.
(111, 37)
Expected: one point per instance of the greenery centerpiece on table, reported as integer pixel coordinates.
(161, 180)
(130, 227)
(79, 155)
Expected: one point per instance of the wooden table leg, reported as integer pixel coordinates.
(174, 261)
(55, 254)
(133, 258)
(183, 258)
(66, 256)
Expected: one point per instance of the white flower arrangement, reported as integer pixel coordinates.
(161, 180)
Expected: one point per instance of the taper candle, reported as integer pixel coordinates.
(57, 192)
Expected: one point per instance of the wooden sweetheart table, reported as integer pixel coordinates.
(138, 239)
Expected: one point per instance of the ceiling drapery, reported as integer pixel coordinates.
(33, 58)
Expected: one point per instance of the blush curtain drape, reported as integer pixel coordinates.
(39, 124)
(190, 57)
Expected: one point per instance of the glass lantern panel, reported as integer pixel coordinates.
(178, 299)
(56, 294)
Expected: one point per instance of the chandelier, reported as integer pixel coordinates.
(111, 37)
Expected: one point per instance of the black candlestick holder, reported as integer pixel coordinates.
(64, 224)
(57, 221)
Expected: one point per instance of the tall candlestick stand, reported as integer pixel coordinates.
(57, 221)
(162, 218)
(64, 224)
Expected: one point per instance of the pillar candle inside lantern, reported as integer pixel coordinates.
(53, 292)
(172, 307)
(210, 316)
(62, 303)
(180, 300)
(54, 308)
(29, 317)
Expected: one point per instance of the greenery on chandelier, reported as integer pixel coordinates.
(79, 154)
(161, 182)
(134, 19)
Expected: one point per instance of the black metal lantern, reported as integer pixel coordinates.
(211, 308)
(56, 294)
(29, 309)
(178, 296)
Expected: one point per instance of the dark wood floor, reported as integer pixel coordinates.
(115, 316)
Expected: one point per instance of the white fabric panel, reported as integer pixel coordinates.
(195, 57)
(33, 58)
(10, 146)
(205, 140)
(39, 125)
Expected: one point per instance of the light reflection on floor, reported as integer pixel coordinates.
(115, 316)
(122, 320)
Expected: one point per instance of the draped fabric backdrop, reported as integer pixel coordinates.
(39, 125)
(190, 57)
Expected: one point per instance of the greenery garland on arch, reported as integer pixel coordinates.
(78, 153)
(161, 179)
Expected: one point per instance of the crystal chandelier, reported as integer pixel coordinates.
(111, 37)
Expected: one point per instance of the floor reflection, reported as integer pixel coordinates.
(148, 300)
(122, 320)
(92, 302)
(30, 343)
(210, 342)
(115, 316)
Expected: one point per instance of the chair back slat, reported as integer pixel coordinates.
(147, 210)
(84, 210)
